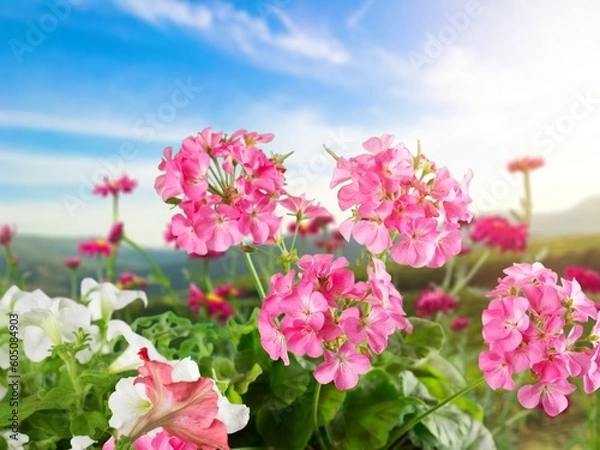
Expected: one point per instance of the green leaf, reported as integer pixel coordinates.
(58, 398)
(3, 444)
(51, 423)
(449, 426)
(330, 401)
(289, 382)
(369, 412)
(289, 428)
(427, 337)
(173, 201)
(87, 423)
(242, 382)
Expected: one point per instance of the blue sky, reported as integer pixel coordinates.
(93, 88)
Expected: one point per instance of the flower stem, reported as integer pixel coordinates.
(459, 286)
(158, 272)
(11, 267)
(255, 278)
(315, 409)
(74, 285)
(527, 205)
(397, 435)
(206, 281)
(597, 420)
(115, 208)
(110, 266)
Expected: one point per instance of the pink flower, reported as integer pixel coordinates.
(302, 207)
(114, 187)
(460, 324)
(588, 279)
(116, 233)
(343, 367)
(525, 164)
(497, 370)
(72, 263)
(97, 247)
(157, 439)
(7, 232)
(218, 227)
(504, 322)
(431, 301)
(496, 231)
(417, 248)
(128, 280)
(258, 219)
(552, 395)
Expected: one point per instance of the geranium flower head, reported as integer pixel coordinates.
(588, 279)
(116, 233)
(499, 232)
(124, 184)
(72, 263)
(525, 164)
(96, 247)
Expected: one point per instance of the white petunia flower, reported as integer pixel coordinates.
(105, 298)
(129, 359)
(47, 322)
(15, 441)
(128, 403)
(81, 442)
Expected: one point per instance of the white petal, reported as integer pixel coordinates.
(129, 359)
(36, 344)
(15, 444)
(87, 285)
(81, 442)
(235, 417)
(27, 301)
(185, 370)
(128, 403)
(124, 298)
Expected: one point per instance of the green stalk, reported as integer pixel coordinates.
(315, 409)
(448, 275)
(12, 268)
(115, 208)
(74, 285)
(158, 272)
(527, 206)
(110, 266)
(463, 282)
(206, 281)
(255, 278)
(597, 420)
(397, 435)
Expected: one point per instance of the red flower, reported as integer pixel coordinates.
(496, 231)
(588, 279)
(525, 164)
(95, 248)
(114, 187)
(72, 263)
(7, 232)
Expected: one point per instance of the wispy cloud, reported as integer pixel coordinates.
(238, 30)
(358, 14)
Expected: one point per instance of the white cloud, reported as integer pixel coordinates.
(288, 48)
(137, 129)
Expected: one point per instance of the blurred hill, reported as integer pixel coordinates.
(583, 218)
(571, 237)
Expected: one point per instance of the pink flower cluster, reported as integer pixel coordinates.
(431, 301)
(588, 279)
(129, 281)
(535, 323)
(123, 185)
(225, 187)
(324, 313)
(498, 232)
(401, 201)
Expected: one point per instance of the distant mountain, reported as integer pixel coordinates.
(41, 258)
(583, 218)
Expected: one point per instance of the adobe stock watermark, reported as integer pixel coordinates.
(37, 31)
(546, 140)
(457, 23)
(147, 129)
